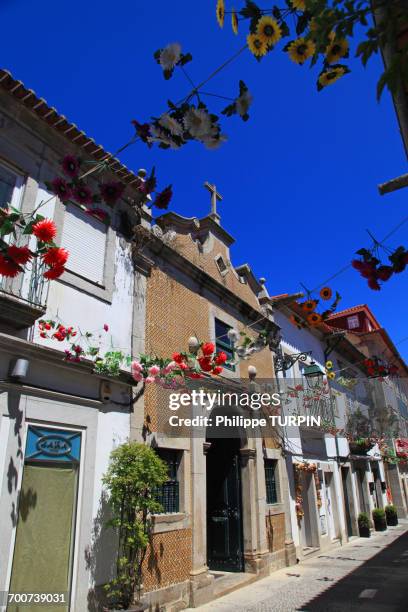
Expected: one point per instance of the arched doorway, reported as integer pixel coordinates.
(224, 505)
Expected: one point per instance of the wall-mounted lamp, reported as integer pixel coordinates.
(19, 368)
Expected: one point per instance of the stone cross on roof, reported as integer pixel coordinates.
(214, 197)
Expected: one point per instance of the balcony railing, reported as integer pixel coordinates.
(312, 405)
(23, 299)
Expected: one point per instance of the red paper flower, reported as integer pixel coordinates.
(83, 194)
(54, 272)
(106, 327)
(163, 198)
(373, 283)
(143, 131)
(384, 273)
(70, 165)
(62, 189)
(55, 256)
(45, 230)
(221, 358)
(177, 357)
(208, 348)
(21, 255)
(111, 192)
(8, 267)
(205, 364)
(217, 370)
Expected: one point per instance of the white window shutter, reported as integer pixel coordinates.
(85, 239)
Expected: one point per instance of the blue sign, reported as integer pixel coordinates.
(45, 444)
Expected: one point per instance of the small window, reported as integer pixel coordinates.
(221, 265)
(10, 188)
(353, 322)
(223, 343)
(271, 480)
(85, 239)
(168, 493)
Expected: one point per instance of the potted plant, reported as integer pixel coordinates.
(380, 523)
(134, 474)
(364, 525)
(360, 446)
(391, 515)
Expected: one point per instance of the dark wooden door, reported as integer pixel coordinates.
(224, 508)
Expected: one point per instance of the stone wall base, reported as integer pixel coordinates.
(172, 598)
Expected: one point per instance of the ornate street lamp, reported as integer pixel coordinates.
(284, 362)
(314, 375)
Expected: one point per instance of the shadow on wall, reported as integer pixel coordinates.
(16, 416)
(100, 556)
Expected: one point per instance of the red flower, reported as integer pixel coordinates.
(83, 194)
(21, 255)
(62, 189)
(45, 230)
(205, 364)
(217, 370)
(70, 165)
(111, 192)
(221, 358)
(373, 283)
(163, 198)
(384, 273)
(194, 375)
(8, 267)
(54, 272)
(55, 256)
(177, 357)
(208, 348)
(106, 327)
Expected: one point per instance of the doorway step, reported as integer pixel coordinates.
(226, 582)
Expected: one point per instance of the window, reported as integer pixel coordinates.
(353, 322)
(223, 343)
(221, 265)
(85, 239)
(271, 480)
(168, 493)
(10, 188)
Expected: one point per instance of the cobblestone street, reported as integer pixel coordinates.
(368, 575)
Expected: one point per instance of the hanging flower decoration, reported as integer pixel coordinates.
(310, 468)
(331, 375)
(321, 33)
(15, 259)
(306, 314)
(374, 270)
(375, 368)
(241, 105)
(170, 57)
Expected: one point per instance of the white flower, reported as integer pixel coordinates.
(169, 56)
(214, 143)
(171, 124)
(160, 136)
(243, 103)
(198, 123)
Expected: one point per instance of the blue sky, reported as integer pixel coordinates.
(299, 179)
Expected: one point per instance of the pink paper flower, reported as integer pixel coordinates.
(137, 376)
(150, 379)
(106, 327)
(136, 366)
(154, 370)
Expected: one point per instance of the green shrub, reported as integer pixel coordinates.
(378, 514)
(390, 511)
(363, 520)
(134, 473)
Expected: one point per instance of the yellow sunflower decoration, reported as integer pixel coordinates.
(329, 365)
(257, 45)
(269, 31)
(331, 75)
(220, 11)
(298, 4)
(314, 319)
(309, 305)
(337, 49)
(326, 293)
(331, 375)
(234, 21)
(300, 50)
